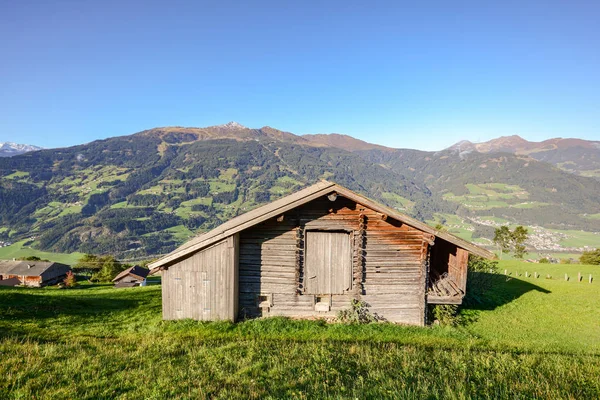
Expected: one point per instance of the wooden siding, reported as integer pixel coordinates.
(389, 263)
(204, 285)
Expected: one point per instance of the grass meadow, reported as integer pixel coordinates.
(529, 338)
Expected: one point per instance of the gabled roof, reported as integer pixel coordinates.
(297, 199)
(136, 271)
(26, 268)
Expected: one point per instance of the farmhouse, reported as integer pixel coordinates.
(32, 273)
(133, 276)
(308, 255)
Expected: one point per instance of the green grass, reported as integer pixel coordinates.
(99, 342)
(18, 250)
(398, 201)
(180, 233)
(218, 186)
(592, 216)
(579, 238)
(17, 175)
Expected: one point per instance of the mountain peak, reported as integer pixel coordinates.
(232, 125)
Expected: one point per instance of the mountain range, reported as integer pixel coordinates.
(145, 193)
(578, 156)
(9, 149)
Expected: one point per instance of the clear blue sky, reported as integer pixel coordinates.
(399, 74)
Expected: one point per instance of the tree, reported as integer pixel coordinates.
(511, 241)
(591, 257)
(502, 239)
(519, 236)
(110, 268)
(440, 228)
(88, 264)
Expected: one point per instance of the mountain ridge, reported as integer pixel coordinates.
(9, 149)
(578, 156)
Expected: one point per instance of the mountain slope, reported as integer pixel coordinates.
(148, 192)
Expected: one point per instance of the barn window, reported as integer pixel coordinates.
(328, 262)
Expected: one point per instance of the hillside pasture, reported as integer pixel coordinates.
(487, 196)
(99, 342)
(23, 249)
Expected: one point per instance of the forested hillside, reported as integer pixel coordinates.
(146, 193)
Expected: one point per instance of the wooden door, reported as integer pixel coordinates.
(328, 262)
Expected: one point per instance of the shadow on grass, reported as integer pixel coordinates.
(18, 304)
(488, 291)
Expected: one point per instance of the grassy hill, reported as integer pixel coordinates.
(530, 338)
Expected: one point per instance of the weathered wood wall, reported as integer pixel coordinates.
(389, 263)
(204, 285)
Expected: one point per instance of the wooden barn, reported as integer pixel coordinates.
(131, 277)
(308, 255)
(33, 273)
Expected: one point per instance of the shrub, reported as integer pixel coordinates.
(544, 261)
(446, 314)
(358, 313)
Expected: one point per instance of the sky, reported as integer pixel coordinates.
(395, 73)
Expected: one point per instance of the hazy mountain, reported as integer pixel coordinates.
(9, 149)
(578, 156)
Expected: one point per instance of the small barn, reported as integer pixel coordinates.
(131, 277)
(33, 273)
(308, 255)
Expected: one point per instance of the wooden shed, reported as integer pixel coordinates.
(308, 255)
(33, 273)
(131, 277)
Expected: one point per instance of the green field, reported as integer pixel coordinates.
(530, 338)
(493, 195)
(18, 250)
